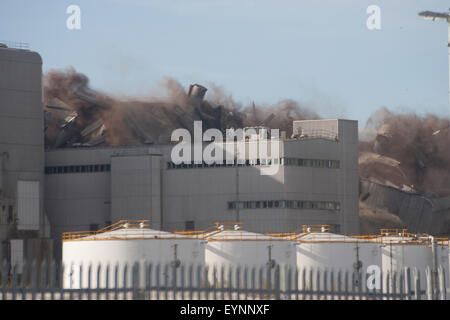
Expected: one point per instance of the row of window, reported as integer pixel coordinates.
(78, 169)
(316, 163)
(281, 204)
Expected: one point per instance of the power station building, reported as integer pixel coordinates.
(24, 229)
(316, 183)
(88, 188)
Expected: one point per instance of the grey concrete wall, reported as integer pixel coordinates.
(136, 188)
(21, 133)
(419, 213)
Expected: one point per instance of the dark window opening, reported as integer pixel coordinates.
(189, 225)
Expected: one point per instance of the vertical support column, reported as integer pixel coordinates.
(448, 45)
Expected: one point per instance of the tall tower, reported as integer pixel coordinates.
(22, 221)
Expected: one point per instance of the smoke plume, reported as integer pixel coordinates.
(128, 121)
(408, 151)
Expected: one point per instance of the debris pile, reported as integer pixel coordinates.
(407, 152)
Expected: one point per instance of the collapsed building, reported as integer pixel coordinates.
(109, 158)
(405, 173)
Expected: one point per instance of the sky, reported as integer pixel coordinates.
(319, 53)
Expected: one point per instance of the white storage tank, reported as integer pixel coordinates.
(229, 246)
(126, 243)
(318, 249)
(401, 249)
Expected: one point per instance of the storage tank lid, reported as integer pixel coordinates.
(327, 237)
(237, 235)
(134, 233)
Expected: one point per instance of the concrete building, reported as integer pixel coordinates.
(87, 188)
(24, 230)
(317, 183)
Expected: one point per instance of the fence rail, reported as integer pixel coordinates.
(173, 281)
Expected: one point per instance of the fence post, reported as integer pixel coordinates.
(52, 279)
(107, 276)
(222, 280)
(407, 283)
(430, 288)
(238, 281)
(230, 282)
(214, 284)
(33, 280)
(206, 281)
(339, 284)
(116, 281)
(166, 281)
(24, 279)
(191, 283)
(288, 284)
(247, 282)
(402, 285)
(317, 287)
(346, 291)
(4, 278)
(417, 290)
(442, 288)
(135, 280)
(182, 280)
(277, 282)
(89, 281)
(98, 273)
(303, 283)
(14, 281)
(125, 281)
(199, 284)
(253, 281)
(60, 281)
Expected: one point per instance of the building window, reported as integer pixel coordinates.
(282, 204)
(335, 228)
(78, 169)
(314, 163)
(189, 225)
(10, 214)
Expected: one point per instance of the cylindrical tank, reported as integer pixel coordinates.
(401, 252)
(125, 247)
(231, 247)
(327, 251)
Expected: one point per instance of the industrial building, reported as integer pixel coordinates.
(24, 229)
(88, 186)
(317, 183)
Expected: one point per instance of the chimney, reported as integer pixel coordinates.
(196, 92)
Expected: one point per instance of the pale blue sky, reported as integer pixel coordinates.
(319, 53)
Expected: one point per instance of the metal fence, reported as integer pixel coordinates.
(174, 281)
